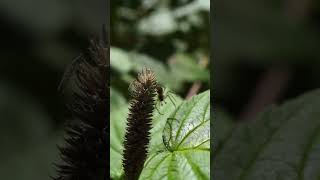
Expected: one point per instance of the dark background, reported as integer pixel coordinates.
(264, 52)
(38, 39)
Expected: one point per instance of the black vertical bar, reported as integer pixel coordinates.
(106, 42)
(212, 14)
(106, 22)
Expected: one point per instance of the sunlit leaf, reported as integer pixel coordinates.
(186, 137)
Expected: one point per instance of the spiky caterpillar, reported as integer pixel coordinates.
(143, 92)
(85, 154)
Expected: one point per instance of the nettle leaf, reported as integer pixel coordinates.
(119, 113)
(186, 136)
(282, 143)
(189, 160)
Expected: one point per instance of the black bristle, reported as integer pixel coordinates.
(137, 137)
(84, 156)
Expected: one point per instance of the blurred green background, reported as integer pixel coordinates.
(38, 39)
(170, 37)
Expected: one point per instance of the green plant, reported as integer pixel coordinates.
(180, 139)
(282, 143)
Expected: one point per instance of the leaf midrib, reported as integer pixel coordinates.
(195, 168)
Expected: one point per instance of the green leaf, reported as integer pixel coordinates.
(120, 60)
(182, 63)
(159, 121)
(119, 111)
(193, 137)
(282, 143)
(187, 138)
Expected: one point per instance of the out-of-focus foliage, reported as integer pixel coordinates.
(182, 68)
(38, 39)
(282, 143)
(251, 39)
(264, 30)
(170, 37)
(251, 36)
(27, 136)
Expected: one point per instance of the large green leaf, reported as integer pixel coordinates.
(193, 137)
(119, 112)
(282, 143)
(186, 136)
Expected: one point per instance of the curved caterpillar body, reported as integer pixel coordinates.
(143, 91)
